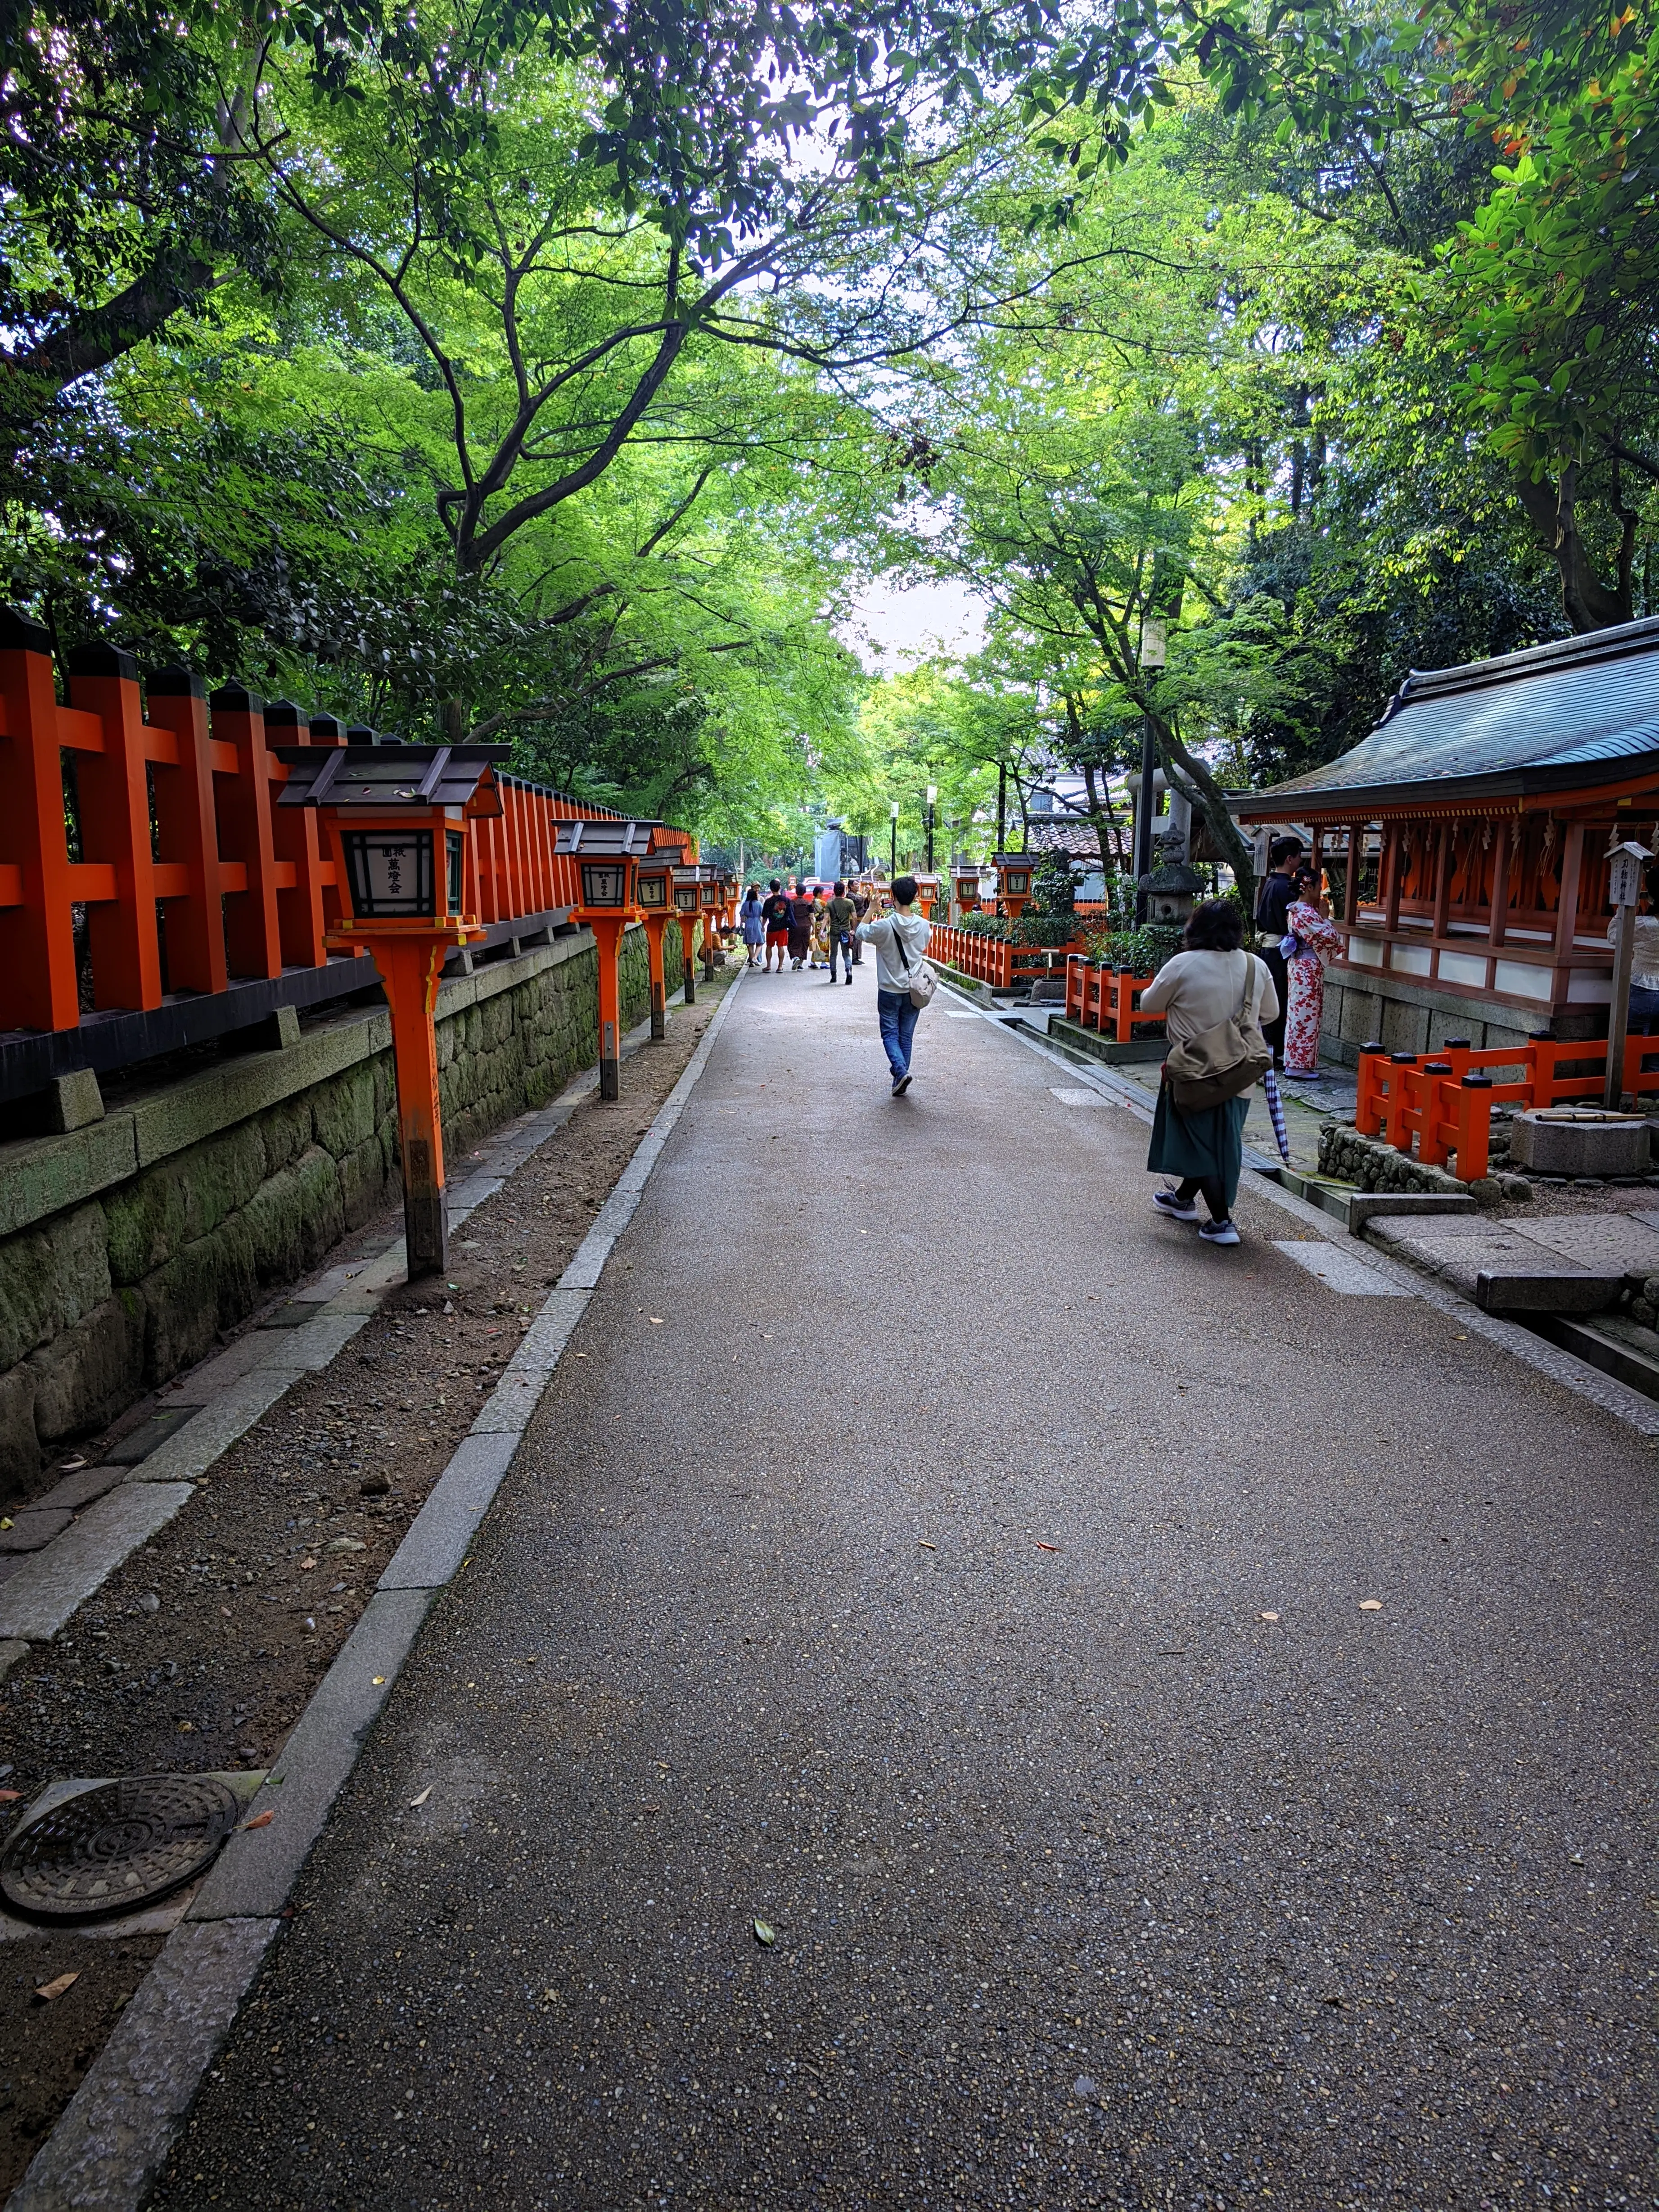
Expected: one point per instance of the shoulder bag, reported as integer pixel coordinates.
(922, 979)
(1224, 1061)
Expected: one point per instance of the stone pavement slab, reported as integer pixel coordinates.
(1185, 1729)
(39, 1597)
(1340, 1270)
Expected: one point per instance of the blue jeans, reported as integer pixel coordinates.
(843, 945)
(898, 1017)
(1644, 1012)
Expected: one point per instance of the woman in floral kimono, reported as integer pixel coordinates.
(1316, 938)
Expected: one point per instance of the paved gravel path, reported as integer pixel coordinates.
(904, 1589)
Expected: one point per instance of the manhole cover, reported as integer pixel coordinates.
(114, 1849)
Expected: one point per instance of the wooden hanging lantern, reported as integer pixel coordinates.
(397, 819)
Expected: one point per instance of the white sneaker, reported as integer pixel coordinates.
(1177, 1209)
(1217, 1233)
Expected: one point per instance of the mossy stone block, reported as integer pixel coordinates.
(209, 1286)
(342, 1115)
(89, 1373)
(219, 1176)
(294, 1218)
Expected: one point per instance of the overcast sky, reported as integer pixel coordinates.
(891, 627)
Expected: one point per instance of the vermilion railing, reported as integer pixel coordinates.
(1098, 998)
(1441, 1101)
(990, 959)
(155, 810)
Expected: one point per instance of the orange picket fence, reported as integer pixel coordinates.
(990, 960)
(142, 843)
(1098, 998)
(1441, 1101)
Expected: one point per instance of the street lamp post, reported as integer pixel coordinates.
(933, 798)
(892, 870)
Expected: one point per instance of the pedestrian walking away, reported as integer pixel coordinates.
(860, 899)
(1278, 889)
(751, 916)
(1217, 1001)
(1311, 939)
(843, 918)
(800, 926)
(775, 912)
(820, 940)
(901, 941)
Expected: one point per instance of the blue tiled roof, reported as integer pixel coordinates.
(1525, 720)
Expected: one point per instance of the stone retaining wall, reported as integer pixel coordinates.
(127, 1246)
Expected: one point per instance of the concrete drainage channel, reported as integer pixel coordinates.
(1425, 1247)
(111, 2140)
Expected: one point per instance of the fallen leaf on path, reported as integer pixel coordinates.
(925, 1545)
(762, 1935)
(1047, 1547)
(260, 1820)
(414, 1803)
(378, 1680)
(582, 1355)
(1370, 1605)
(650, 1809)
(71, 1466)
(225, 1609)
(1266, 1616)
(10, 1797)
(656, 1321)
(305, 1565)
(48, 1990)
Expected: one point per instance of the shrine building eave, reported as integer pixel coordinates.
(1567, 725)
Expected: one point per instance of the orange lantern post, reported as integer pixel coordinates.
(397, 819)
(688, 906)
(653, 888)
(927, 894)
(713, 902)
(1014, 873)
(964, 884)
(607, 855)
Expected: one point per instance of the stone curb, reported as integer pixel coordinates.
(1602, 1391)
(114, 2135)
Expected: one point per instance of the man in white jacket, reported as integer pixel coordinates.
(901, 940)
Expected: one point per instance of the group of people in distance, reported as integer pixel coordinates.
(813, 924)
(809, 925)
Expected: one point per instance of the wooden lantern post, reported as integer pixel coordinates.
(1014, 872)
(713, 902)
(653, 884)
(1627, 862)
(688, 906)
(607, 856)
(397, 820)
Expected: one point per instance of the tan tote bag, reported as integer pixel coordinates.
(1226, 1061)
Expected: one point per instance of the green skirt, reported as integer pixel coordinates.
(1208, 1145)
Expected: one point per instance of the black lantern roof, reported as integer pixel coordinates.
(379, 775)
(606, 841)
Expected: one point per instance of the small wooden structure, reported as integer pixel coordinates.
(1014, 874)
(1465, 839)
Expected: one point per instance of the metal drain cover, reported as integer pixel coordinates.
(118, 1847)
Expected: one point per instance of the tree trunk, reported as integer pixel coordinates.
(1196, 784)
(1553, 513)
(454, 721)
(1102, 820)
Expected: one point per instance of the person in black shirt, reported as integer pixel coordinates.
(1277, 892)
(775, 912)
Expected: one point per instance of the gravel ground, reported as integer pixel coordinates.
(200, 1652)
(929, 1555)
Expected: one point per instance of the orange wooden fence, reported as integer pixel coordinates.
(1441, 1101)
(1098, 998)
(989, 959)
(155, 810)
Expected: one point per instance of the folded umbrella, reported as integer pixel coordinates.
(1276, 1114)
